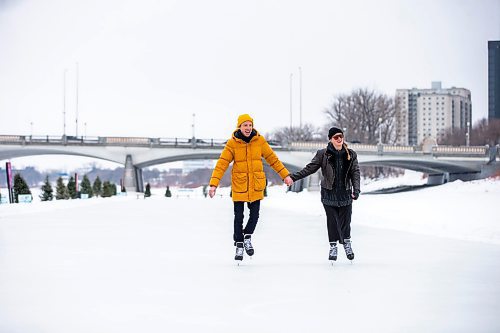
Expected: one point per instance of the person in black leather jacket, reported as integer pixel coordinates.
(340, 185)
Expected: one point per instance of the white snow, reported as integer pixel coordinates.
(426, 261)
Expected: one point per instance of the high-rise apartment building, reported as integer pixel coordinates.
(428, 113)
(493, 79)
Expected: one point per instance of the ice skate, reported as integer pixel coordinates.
(239, 251)
(248, 245)
(332, 255)
(348, 249)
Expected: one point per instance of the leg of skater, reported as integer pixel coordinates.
(345, 223)
(254, 208)
(238, 229)
(333, 231)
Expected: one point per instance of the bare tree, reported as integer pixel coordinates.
(362, 114)
(493, 134)
(484, 132)
(453, 137)
(286, 134)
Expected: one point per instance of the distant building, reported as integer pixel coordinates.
(493, 79)
(191, 165)
(426, 114)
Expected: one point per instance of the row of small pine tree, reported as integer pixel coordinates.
(147, 191)
(65, 192)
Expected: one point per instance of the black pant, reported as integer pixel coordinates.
(239, 206)
(338, 223)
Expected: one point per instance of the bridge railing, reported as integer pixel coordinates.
(312, 145)
(126, 141)
(358, 147)
(11, 139)
(450, 151)
(460, 151)
(110, 140)
(438, 151)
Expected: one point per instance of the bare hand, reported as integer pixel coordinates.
(211, 191)
(288, 181)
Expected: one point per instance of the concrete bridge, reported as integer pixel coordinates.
(441, 163)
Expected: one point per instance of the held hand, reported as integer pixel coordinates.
(355, 195)
(211, 191)
(288, 181)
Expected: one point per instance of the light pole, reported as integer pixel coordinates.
(64, 103)
(85, 129)
(31, 130)
(76, 99)
(379, 131)
(467, 135)
(194, 115)
(300, 97)
(291, 78)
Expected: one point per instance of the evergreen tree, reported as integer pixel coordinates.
(114, 189)
(47, 191)
(86, 187)
(72, 188)
(205, 190)
(20, 187)
(147, 193)
(107, 189)
(97, 187)
(61, 190)
(168, 194)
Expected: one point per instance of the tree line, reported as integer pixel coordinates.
(65, 191)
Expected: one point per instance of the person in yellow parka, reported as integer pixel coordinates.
(245, 149)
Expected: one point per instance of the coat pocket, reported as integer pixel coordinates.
(240, 182)
(259, 181)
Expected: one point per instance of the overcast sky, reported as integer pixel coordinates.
(145, 67)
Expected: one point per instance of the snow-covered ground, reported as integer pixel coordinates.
(426, 261)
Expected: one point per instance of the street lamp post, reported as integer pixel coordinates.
(64, 104)
(193, 140)
(76, 99)
(467, 135)
(379, 131)
(194, 115)
(31, 129)
(291, 78)
(300, 97)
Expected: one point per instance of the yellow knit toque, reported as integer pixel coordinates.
(242, 118)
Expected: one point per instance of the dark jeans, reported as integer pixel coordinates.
(338, 222)
(239, 207)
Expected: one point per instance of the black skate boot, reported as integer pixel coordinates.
(348, 249)
(333, 251)
(248, 245)
(239, 251)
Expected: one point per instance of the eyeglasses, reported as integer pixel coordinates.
(338, 136)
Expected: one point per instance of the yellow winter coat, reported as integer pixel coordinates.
(248, 179)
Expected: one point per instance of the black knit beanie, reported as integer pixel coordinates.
(333, 131)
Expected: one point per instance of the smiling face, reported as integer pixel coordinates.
(246, 128)
(337, 140)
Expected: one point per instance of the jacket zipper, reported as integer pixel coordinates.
(347, 175)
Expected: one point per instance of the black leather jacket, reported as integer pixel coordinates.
(350, 175)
